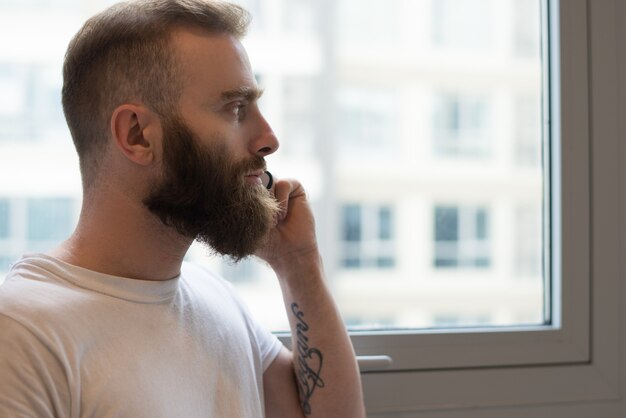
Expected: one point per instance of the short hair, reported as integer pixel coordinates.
(123, 54)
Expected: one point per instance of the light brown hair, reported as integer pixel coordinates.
(124, 54)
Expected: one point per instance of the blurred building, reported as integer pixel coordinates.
(414, 125)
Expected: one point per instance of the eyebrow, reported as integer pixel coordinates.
(247, 93)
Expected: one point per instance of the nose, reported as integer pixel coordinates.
(264, 141)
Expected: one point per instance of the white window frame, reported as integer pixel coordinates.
(570, 368)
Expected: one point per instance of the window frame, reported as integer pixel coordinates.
(465, 371)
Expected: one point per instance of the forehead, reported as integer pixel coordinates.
(211, 63)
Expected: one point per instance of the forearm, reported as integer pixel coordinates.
(324, 361)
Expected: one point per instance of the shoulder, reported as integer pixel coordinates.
(29, 300)
(33, 377)
(33, 380)
(29, 288)
(37, 301)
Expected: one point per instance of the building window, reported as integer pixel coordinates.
(4, 219)
(367, 236)
(461, 237)
(49, 219)
(33, 225)
(461, 125)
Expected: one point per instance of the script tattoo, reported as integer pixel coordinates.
(310, 360)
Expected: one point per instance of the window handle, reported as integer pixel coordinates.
(371, 363)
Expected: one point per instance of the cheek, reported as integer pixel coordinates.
(228, 142)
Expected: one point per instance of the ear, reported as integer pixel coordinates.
(137, 133)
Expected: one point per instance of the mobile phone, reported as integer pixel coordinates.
(268, 180)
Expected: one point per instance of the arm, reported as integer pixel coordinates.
(321, 377)
(33, 382)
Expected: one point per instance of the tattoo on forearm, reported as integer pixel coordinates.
(310, 360)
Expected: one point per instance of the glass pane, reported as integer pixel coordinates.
(385, 223)
(446, 224)
(352, 223)
(49, 219)
(424, 157)
(414, 125)
(4, 219)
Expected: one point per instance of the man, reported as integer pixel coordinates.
(162, 106)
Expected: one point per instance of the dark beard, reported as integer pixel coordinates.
(204, 195)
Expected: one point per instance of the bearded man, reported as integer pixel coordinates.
(161, 102)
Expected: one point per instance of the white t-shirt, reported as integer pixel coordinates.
(77, 343)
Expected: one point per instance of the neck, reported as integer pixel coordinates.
(117, 235)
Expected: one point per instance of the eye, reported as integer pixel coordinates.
(238, 110)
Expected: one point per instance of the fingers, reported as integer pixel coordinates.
(284, 191)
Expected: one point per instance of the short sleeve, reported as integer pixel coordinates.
(32, 380)
(269, 344)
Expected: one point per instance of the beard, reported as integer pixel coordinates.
(203, 194)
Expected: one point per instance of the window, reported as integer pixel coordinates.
(49, 219)
(464, 99)
(367, 236)
(33, 224)
(461, 237)
(359, 130)
(4, 219)
(461, 125)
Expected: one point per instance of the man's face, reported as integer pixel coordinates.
(206, 194)
(214, 146)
